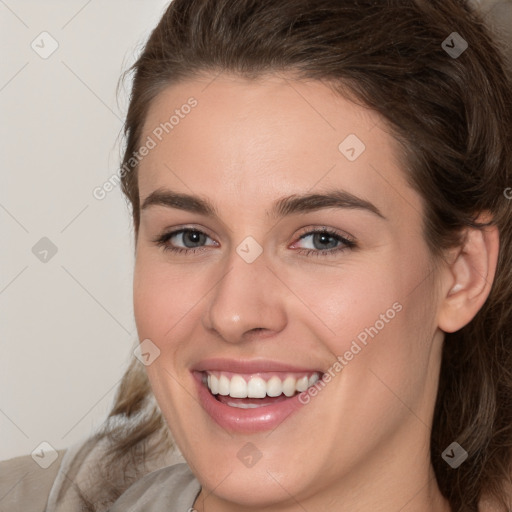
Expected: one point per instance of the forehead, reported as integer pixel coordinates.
(269, 136)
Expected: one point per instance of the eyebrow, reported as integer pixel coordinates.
(285, 206)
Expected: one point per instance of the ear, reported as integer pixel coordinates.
(469, 275)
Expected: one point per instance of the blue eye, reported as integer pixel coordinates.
(325, 241)
(189, 237)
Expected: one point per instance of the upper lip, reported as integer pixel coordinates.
(248, 366)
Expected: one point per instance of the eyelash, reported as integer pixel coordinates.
(163, 241)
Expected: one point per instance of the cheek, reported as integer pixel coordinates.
(384, 335)
(374, 317)
(164, 295)
(342, 304)
(165, 306)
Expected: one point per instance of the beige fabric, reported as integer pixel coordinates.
(80, 469)
(24, 486)
(171, 489)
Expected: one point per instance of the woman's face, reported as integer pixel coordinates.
(304, 255)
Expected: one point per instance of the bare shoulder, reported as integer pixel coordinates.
(25, 483)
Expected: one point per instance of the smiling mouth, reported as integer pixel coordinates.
(249, 391)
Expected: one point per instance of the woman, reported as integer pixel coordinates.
(321, 203)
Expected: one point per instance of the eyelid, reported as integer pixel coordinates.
(321, 229)
(178, 229)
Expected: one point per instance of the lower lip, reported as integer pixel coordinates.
(235, 419)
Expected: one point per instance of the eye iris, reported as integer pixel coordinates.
(194, 236)
(324, 238)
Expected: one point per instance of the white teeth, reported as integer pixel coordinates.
(256, 387)
(213, 384)
(289, 386)
(274, 386)
(241, 405)
(312, 380)
(223, 385)
(238, 387)
(302, 384)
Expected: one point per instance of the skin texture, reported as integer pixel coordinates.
(363, 442)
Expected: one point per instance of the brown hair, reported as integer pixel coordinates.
(452, 116)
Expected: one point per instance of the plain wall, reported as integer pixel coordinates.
(66, 325)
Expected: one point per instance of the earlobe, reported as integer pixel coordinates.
(469, 278)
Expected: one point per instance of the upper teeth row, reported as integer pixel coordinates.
(256, 387)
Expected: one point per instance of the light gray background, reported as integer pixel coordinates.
(66, 326)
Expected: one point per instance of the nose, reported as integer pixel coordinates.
(247, 299)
